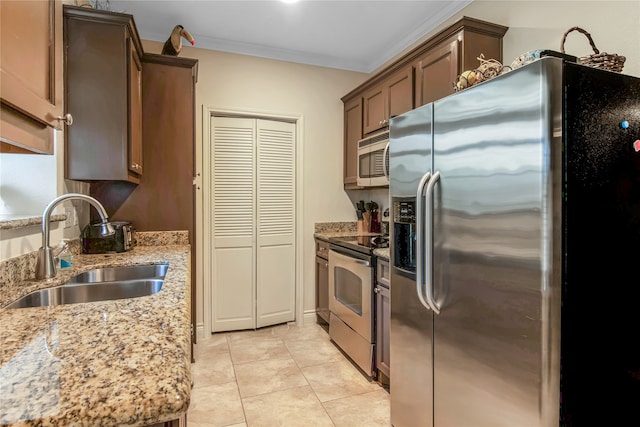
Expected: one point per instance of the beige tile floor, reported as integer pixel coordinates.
(281, 376)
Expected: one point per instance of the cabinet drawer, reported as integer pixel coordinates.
(322, 249)
(383, 274)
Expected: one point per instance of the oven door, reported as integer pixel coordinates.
(350, 290)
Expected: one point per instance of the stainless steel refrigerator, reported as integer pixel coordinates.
(515, 249)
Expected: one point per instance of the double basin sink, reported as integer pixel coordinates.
(100, 284)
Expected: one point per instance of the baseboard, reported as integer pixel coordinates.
(200, 331)
(309, 317)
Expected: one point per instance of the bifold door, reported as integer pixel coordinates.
(253, 218)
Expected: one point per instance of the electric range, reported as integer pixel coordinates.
(352, 299)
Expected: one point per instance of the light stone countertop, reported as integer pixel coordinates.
(382, 253)
(120, 362)
(11, 222)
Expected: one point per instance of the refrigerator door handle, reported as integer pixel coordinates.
(420, 239)
(429, 294)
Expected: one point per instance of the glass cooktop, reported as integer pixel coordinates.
(365, 244)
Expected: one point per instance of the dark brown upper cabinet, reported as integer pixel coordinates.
(425, 74)
(437, 72)
(392, 97)
(103, 83)
(453, 52)
(31, 91)
(352, 134)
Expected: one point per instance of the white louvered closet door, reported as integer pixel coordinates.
(253, 222)
(233, 273)
(275, 219)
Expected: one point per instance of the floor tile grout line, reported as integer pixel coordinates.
(235, 376)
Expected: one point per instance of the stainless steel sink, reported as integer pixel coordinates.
(128, 272)
(89, 292)
(100, 284)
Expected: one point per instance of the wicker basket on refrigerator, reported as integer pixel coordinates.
(603, 60)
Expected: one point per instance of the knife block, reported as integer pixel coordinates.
(363, 226)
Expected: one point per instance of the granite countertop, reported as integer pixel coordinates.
(11, 222)
(120, 362)
(329, 234)
(382, 253)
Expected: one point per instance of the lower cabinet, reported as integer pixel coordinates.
(180, 422)
(383, 317)
(322, 281)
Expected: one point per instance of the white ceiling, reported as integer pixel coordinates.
(349, 35)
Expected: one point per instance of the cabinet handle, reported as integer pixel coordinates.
(136, 166)
(67, 119)
(376, 290)
(326, 264)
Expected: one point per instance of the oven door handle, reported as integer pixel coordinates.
(351, 257)
(363, 262)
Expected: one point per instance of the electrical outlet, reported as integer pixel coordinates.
(69, 212)
(75, 217)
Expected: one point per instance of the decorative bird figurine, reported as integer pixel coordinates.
(173, 45)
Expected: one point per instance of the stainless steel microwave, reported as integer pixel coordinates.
(373, 160)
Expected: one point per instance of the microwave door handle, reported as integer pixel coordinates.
(419, 239)
(429, 243)
(385, 164)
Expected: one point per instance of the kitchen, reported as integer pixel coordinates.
(233, 83)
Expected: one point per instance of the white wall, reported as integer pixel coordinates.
(28, 183)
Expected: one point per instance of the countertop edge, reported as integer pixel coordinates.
(12, 222)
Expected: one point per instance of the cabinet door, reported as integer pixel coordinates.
(391, 98)
(103, 90)
(383, 314)
(352, 134)
(135, 109)
(322, 288)
(30, 74)
(437, 71)
(374, 109)
(400, 93)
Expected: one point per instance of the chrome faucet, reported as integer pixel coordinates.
(45, 266)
